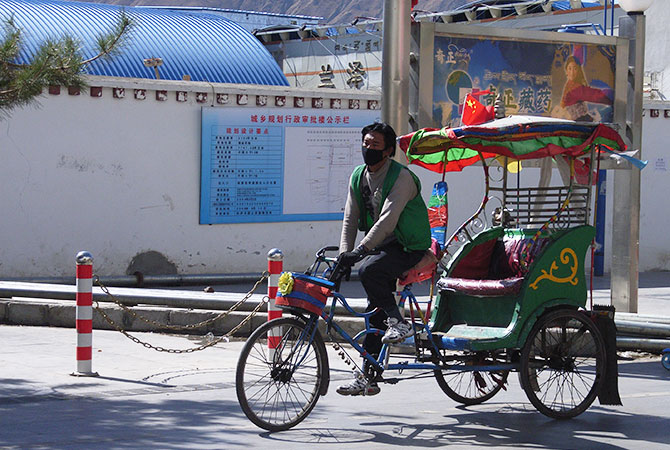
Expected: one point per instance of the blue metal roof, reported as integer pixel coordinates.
(206, 47)
(565, 5)
(249, 20)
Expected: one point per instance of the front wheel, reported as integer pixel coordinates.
(278, 387)
(562, 364)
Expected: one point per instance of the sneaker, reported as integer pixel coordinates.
(397, 331)
(359, 386)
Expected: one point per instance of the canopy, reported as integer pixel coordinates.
(518, 137)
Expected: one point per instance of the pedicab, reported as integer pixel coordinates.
(512, 293)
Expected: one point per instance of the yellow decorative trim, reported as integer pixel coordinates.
(567, 255)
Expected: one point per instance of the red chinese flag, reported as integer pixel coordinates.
(474, 112)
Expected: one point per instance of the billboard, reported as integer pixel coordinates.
(558, 79)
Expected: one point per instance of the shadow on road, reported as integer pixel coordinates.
(509, 426)
(650, 369)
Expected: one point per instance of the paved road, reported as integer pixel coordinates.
(147, 399)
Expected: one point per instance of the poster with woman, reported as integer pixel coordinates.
(584, 98)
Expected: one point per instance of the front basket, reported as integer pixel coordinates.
(303, 292)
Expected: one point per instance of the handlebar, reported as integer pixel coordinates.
(335, 271)
(332, 248)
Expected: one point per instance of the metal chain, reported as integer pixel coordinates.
(264, 276)
(225, 337)
(188, 350)
(345, 356)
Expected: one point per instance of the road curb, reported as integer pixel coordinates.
(61, 314)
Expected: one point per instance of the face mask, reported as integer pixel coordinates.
(372, 157)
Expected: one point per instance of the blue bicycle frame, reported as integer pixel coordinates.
(379, 363)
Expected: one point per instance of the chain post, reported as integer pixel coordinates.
(275, 267)
(84, 315)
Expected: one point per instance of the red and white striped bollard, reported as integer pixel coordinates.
(275, 267)
(84, 315)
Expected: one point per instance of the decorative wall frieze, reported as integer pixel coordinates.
(190, 94)
(222, 99)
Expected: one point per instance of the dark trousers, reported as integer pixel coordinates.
(378, 274)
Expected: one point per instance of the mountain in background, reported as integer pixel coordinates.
(332, 11)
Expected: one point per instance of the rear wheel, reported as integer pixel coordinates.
(471, 387)
(277, 388)
(562, 364)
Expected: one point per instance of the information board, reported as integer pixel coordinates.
(264, 165)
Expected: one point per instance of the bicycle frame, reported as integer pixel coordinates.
(381, 363)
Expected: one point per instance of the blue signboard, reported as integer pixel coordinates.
(264, 165)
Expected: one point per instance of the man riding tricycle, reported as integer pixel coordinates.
(512, 285)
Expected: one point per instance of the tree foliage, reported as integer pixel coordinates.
(56, 62)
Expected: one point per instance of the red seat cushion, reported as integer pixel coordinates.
(424, 269)
(482, 288)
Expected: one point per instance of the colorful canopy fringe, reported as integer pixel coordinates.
(518, 137)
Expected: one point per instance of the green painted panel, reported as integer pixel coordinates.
(556, 278)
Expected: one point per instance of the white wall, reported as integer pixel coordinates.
(118, 177)
(655, 188)
(657, 45)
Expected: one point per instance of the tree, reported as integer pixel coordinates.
(56, 62)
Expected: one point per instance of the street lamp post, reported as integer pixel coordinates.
(626, 217)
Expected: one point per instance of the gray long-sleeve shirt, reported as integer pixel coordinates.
(385, 218)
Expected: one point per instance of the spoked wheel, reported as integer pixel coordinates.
(471, 387)
(277, 388)
(562, 364)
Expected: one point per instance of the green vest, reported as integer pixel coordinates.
(413, 228)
